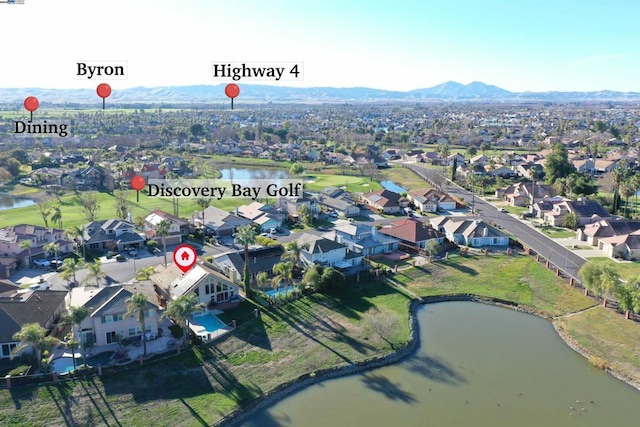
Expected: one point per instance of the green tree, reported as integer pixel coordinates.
(262, 279)
(570, 220)
(34, 336)
(70, 267)
(332, 278)
(52, 247)
(433, 247)
(26, 244)
(284, 274)
(454, 168)
(180, 309)
(599, 278)
(75, 317)
(56, 216)
(306, 215)
(162, 230)
(313, 277)
(628, 295)
(296, 169)
(293, 252)
(138, 306)
(557, 164)
(145, 273)
(245, 235)
(95, 272)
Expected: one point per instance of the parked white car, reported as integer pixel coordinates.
(44, 286)
(42, 263)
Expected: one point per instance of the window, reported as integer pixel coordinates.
(149, 313)
(133, 332)
(107, 319)
(111, 337)
(6, 350)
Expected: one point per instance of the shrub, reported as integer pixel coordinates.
(120, 258)
(598, 362)
(176, 331)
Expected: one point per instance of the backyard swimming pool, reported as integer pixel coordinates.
(392, 186)
(65, 364)
(273, 293)
(206, 324)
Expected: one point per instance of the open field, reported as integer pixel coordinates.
(607, 335)
(557, 232)
(404, 177)
(204, 383)
(353, 184)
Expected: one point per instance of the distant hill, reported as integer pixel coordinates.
(199, 94)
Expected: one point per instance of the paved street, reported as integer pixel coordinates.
(548, 248)
(117, 272)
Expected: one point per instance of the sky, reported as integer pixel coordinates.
(518, 45)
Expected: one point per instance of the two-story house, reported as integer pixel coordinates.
(219, 222)
(385, 201)
(111, 234)
(107, 321)
(413, 234)
(11, 239)
(266, 216)
(178, 227)
(585, 210)
(470, 232)
(260, 260)
(320, 250)
(364, 239)
(431, 200)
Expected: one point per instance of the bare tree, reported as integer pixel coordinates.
(90, 206)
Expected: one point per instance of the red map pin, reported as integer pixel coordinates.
(232, 90)
(137, 183)
(185, 256)
(31, 104)
(104, 91)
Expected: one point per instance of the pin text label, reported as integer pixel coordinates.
(105, 70)
(258, 71)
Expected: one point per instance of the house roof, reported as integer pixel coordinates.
(411, 230)
(29, 307)
(158, 215)
(587, 208)
(322, 245)
(260, 259)
(217, 218)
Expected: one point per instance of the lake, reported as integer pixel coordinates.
(477, 365)
(10, 202)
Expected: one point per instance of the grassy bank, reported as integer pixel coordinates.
(515, 278)
(202, 385)
(608, 336)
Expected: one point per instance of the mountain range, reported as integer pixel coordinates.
(206, 94)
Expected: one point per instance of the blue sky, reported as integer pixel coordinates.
(519, 45)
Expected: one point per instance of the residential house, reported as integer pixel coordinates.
(605, 228)
(503, 171)
(266, 216)
(260, 260)
(540, 208)
(290, 205)
(111, 234)
(207, 281)
(19, 308)
(625, 246)
(178, 227)
(107, 320)
(385, 201)
(470, 232)
(413, 234)
(326, 252)
(586, 166)
(585, 210)
(218, 221)
(431, 200)
(364, 239)
(337, 200)
(521, 194)
(11, 238)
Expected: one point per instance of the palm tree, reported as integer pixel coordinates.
(627, 189)
(284, 271)
(203, 203)
(75, 317)
(162, 230)
(145, 273)
(138, 305)
(69, 268)
(245, 235)
(57, 216)
(262, 279)
(78, 232)
(95, 272)
(52, 247)
(32, 335)
(26, 244)
(180, 309)
(293, 253)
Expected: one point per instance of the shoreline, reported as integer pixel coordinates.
(285, 390)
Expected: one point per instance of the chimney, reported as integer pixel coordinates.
(235, 211)
(374, 234)
(255, 260)
(485, 232)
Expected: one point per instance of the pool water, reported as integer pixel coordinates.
(392, 186)
(208, 322)
(65, 364)
(280, 291)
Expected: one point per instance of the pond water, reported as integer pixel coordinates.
(477, 365)
(10, 202)
(392, 186)
(253, 173)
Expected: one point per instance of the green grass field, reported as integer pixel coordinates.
(521, 280)
(353, 184)
(627, 269)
